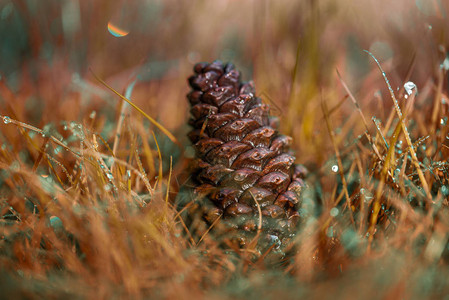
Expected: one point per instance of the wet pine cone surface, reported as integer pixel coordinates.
(244, 181)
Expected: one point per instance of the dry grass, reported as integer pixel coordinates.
(87, 181)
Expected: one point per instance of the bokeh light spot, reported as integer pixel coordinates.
(117, 31)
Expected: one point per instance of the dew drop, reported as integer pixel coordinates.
(445, 190)
(330, 231)
(15, 165)
(274, 240)
(93, 114)
(366, 194)
(193, 57)
(335, 168)
(443, 121)
(6, 120)
(409, 87)
(56, 222)
(397, 172)
(334, 212)
(445, 64)
(77, 130)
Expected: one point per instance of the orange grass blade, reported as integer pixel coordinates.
(158, 125)
(159, 178)
(144, 176)
(252, 244)
(337, 154)
(209, 229)
(404, 128)
(168, 185)
(22, 125)
(354, 101)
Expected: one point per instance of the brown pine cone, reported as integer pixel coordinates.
(242, 163)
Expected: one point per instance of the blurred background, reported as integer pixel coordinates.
(294, 50)
(291, 49)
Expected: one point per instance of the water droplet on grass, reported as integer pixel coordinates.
(77, 130)
(335, 168)
(193, 57)
(366, 194)
(55, 222)
(6, 120)
(334, 212)
(15, 165)
(409, 87)
(445, 190)
(445, 64)
(47, 184)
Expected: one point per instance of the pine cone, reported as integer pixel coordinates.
(242, 163)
